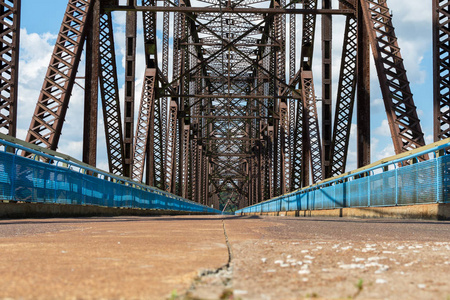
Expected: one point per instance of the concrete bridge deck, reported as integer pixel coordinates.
(213, 257)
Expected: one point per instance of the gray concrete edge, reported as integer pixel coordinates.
(11, 210)
(435, 211)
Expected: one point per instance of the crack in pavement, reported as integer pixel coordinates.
(213, 284)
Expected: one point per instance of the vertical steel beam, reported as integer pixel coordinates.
(130, 74)
(109, 90)
(345, 99)
(284, 156)
(281, 139)
(199, 175)
(327, 73)
(91, 85)
(171, 146)
(185, 160)
(303, 139)
(297, 159)
(400, 108)
(9, 64)
(311, 128)
(144, 136)
(157, 132)
(363, 91)
(441, 65)
(46, 124)
(292, 101)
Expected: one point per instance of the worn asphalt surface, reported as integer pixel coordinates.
(214, 257)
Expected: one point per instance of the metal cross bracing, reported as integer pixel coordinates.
(109, 89)
(400, 108)
(9, 64)
(345, 99)
(228, 111)
(441, 78)
(47, 121)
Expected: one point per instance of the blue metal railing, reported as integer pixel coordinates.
(63, 180)
(401, 180)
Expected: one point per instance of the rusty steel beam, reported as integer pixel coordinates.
(155, 148)
(291, 101)
(345, 99)
(400, 108)
(231, 10)
(285, 167)
(109, 90)
(185, 160)
(171, 147)
(311, 126)
(441, 65)
(297, 158)
(91, 85)
(363, 90)
(48, 118)
(327, 36)
(303, 138)
(9, 64)
(144, 136)
(130, 73)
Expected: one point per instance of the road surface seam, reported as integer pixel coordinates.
(211, 282)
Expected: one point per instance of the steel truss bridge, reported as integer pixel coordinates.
(228, 107)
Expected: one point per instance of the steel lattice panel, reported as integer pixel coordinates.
(48, 119)
(400, 108)
(9, 64)
(441, 47)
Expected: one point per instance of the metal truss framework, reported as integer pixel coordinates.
(9, 64)
(228, 112)
(441, 48)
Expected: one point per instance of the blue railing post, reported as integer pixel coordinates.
(439, 178)
(13, 178)
(55, 167)
(396, 185)
(368, 189)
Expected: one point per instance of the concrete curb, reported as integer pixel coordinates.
(438, 211)
(50, 210)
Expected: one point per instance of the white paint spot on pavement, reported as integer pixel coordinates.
(352, 266)
(381, 281)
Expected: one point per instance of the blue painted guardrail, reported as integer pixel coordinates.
(399, 180)
(63, 180)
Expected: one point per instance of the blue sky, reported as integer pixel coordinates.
(41, 21)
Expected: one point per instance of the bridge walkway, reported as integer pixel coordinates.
(188, 257)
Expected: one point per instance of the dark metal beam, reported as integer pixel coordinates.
(91, 86)
(130, 73)
(363, 91)
(235, 10)
(9, 64)
(441, 64)
(48, 119)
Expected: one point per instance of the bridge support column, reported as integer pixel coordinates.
(326, 88)
(363, 91)
(441, 60)
(130, 71)
(9, 68)
(91, 86)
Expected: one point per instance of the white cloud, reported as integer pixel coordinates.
(405, 11)
(383, 129)
(35, 53)
(385, 152)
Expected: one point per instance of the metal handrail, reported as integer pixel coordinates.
(393, 160)
(14, 143)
